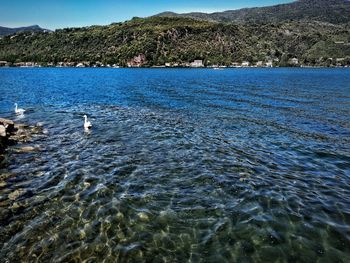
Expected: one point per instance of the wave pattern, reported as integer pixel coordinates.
(181, 165)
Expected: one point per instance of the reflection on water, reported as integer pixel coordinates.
(182, 165)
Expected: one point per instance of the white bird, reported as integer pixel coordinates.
(87, 124)
(17, 110)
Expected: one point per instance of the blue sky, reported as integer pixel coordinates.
(54, 14)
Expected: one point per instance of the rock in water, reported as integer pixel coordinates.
(11, 134)
(26, 149)
(2, 131)
(14, 195)
(8, 124)
(7, 128)
(143, 216)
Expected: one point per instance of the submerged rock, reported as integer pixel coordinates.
(8, 125)
(143, 216)
(39, 124)
(11, 133)
(2, 131)
(120, 216)
(2, 159)
(7, 128)
(14, 195)
(26, 149)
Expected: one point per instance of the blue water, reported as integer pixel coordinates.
(182, 165)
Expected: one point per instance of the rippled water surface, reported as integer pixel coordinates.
(238, 165)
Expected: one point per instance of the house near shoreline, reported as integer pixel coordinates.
(259, 64)
(137, 61)
(294, 61)
(197, 64)
(269, 64)
(27, 64)
(4, 64)
(64, 64)
(99, 64)
(236, 64)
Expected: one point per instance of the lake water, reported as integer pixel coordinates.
(182, 165)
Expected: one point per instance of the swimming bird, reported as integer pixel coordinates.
(17, 110)
(87, 124)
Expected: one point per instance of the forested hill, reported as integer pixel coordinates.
(331, 11)
(159, 40)
(4, 31)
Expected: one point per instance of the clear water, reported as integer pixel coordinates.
(239, 165)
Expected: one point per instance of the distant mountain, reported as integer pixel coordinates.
(330, 11)
(5, 31)
(305, 32)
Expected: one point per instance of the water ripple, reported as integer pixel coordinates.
(234, 169)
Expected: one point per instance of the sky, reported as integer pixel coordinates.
(54, 14)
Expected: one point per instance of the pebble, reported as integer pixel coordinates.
(14, 195)
(15, 205)
(143, 216)
(26, 149)
(120, 215)
(82, 234)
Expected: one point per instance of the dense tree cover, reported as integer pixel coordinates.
(331, 11)
(179, 40)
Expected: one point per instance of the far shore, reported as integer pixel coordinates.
(37, 65)
(179, 67)
(141, 62)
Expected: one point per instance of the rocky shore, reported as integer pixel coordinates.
(11, 134)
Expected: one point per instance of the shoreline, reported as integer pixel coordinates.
(161, 67)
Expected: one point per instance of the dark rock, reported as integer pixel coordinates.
(14, 195)
(6, 121)
(11, 134)
(2, 159)
(2, 131)
(9, 125)
(25, 149)
(3, 143)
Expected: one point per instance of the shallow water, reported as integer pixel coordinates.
(182, 165)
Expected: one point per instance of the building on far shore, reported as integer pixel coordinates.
(65, 64)
(245, 64)
(236, 65)
(269, 64)
(4, 63)
(294, 61)
(137, 61)
(197, 64)
(27, 64)
(259, 64)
